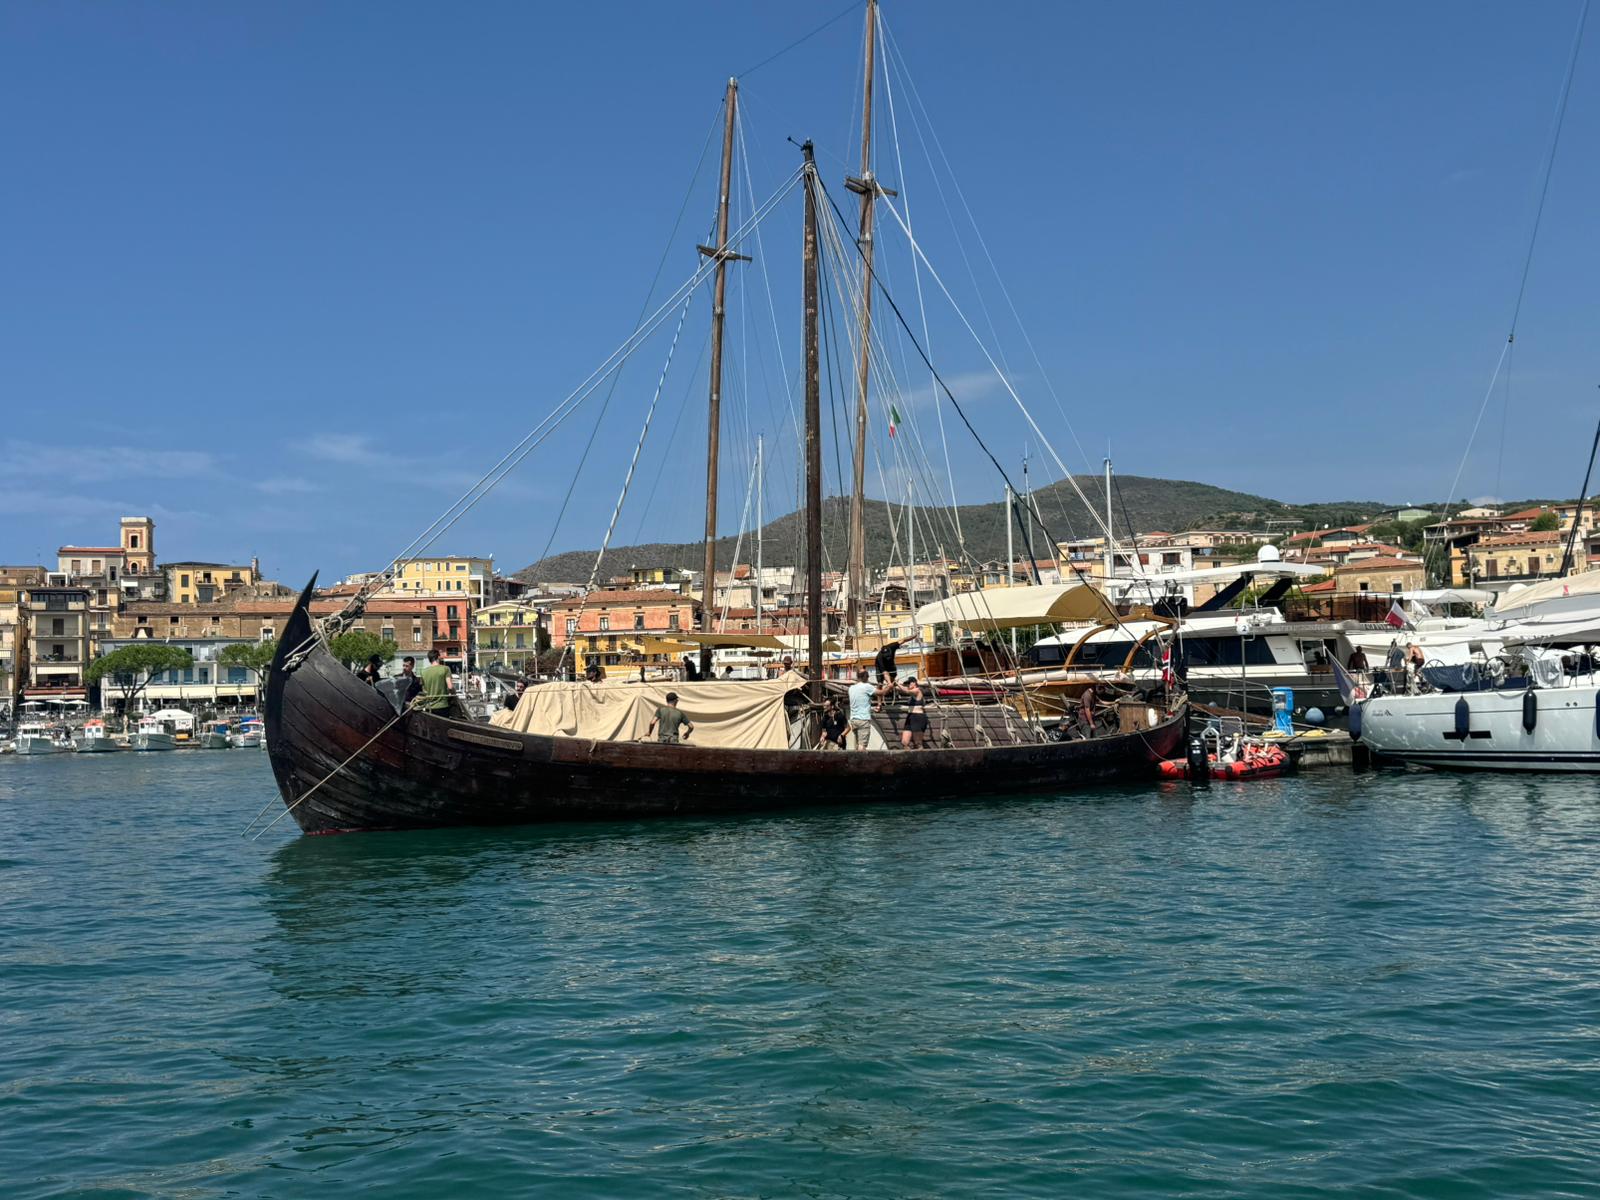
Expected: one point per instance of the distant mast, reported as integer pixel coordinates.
(719, 252)
(866, 186)
(813, 401)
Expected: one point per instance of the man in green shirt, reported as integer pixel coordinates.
(437, 684)
(670, 718)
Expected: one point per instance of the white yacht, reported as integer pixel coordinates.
(249, 735)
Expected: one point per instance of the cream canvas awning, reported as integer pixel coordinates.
(748, 714)
(1014, 607)
(752, 641)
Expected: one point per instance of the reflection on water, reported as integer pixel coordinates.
(1324, 983)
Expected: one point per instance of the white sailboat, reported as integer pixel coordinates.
(1526, 700)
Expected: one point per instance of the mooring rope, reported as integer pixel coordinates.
(289, 808)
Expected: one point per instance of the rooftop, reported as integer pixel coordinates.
(1379, 563)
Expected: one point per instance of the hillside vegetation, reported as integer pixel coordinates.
(1138, 502)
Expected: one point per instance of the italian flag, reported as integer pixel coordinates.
(894, 419)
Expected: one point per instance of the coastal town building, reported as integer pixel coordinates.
(247, 616)
(467, 577)
(511, 634)
(620, 630)
(206, 682)
(139, 545)
(1504, 559)
(1380, 574)
(206, 583)
(14, 582)
(57, 641)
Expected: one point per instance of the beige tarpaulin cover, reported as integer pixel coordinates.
(746, 714)
(1012, 607)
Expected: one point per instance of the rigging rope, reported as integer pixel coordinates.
(1527, 260)
(551, 421)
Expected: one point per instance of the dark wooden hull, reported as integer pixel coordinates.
(432, 772)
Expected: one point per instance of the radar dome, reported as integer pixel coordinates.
(1268, 553)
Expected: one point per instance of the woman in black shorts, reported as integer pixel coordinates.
(914, 735)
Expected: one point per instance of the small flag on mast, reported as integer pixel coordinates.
(1397, 616)
(894, 419)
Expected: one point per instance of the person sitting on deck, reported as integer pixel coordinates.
(861, 695)
(834, 726)
(437, 685)
(671, 719)
(593, 674)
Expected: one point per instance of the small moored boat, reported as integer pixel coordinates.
(94, 738)
(215, 736)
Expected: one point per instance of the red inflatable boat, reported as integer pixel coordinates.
(1254, 762)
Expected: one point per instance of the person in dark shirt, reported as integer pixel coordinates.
(834, 726)
(407, 687)
(670, 718)
(372, 672)
(883, 663)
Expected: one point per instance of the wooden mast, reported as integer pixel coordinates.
(813, 439)
(866, 188)
(714, 421)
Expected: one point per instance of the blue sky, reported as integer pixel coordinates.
(286, 276)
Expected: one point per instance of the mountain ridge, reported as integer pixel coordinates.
(1146, 504)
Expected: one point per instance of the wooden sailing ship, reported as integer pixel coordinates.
(345, 760)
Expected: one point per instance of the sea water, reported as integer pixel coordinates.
(1383, 984)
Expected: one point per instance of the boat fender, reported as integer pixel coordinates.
(1530, 710)
(1463, 718)
(1199, 763)
(1355, 722)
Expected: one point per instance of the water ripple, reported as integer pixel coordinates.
(1382, 985)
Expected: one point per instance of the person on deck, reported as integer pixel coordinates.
(407, 687)
(437, 685)
(1086, 703)
(861, 695)
(691, 672)
(372, 672)
(1415, 661)
(670, 719)
(1358, 660)
(883, 663)
(834, 726)
(914, 734)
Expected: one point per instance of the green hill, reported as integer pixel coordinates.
(1144, 504)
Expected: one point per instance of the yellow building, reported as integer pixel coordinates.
(508, 634)
(472, 578)
(206, 583)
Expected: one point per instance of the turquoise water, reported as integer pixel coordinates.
(1383, 985)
